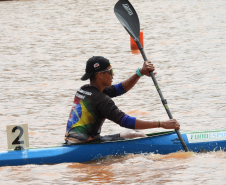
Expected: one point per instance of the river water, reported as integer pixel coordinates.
(44, 46)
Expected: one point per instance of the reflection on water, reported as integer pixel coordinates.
(44, 46)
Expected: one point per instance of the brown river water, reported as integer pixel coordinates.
(44, 46)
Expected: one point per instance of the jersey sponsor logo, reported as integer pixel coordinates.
(206, 136)
(127, 8)
(80, 96)
(85, 92)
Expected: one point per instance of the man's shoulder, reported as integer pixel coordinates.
(89, 88)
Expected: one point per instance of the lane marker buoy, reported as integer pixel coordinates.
(133, 43)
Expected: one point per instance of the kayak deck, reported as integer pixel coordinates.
(161, 143)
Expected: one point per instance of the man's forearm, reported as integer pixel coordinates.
(169, 124)
(140, 124)
(130, 82)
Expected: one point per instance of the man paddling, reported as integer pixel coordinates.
(93, 104)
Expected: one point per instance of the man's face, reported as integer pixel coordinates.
(107, 76)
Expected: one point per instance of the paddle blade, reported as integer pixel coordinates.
(127, 16)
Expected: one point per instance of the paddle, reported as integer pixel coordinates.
(127, 15)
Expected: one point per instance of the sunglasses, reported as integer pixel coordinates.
(110, 71)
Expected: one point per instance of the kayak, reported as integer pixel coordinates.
(157, 143)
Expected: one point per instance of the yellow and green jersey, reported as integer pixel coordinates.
(90, 109)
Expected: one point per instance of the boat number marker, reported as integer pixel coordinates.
(17, 136)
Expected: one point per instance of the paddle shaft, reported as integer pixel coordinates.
(164, 102)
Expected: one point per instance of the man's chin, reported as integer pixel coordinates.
(109, 85)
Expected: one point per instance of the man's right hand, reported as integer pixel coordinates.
(170, 124)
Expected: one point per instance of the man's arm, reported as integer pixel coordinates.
(169, 124)
(130, 82)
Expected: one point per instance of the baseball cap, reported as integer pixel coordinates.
(95, 64)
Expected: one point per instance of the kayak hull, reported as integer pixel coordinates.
(161, 143)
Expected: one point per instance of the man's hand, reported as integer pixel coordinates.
(170, 124)
(147, 67)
